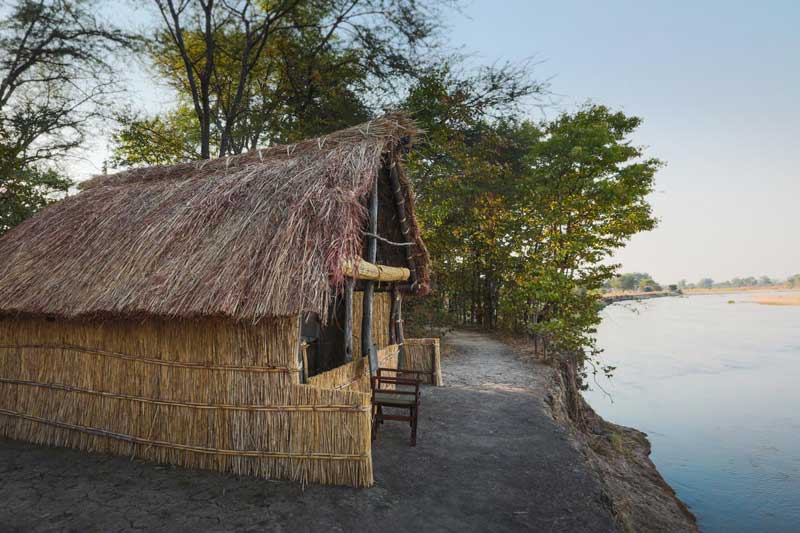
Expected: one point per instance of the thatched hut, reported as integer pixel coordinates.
(214, 314)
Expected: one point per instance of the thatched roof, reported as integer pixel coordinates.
(247, 237)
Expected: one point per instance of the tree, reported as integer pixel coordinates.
(459, 167)
(160, 140)
(633, 281)
(522, 216)
(705, 283)
(55, 76)
(647, 284)
(25, 189)
(248, 69)
(54, 69)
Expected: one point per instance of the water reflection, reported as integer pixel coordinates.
(717, 388)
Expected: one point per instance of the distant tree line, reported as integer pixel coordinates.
(750, 281)
(633, 281)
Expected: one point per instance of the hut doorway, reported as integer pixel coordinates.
(324, 342)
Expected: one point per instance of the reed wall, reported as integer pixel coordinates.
(381, 316)
(354, 376)
(424, 355)
(209, 394)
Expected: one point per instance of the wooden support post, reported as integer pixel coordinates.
(401, 356)
(301, 352)
(369, 286)
(405, 229)
(348, 319)
(393, 316)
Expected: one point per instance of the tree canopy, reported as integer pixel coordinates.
(55, 78)
(520, 217)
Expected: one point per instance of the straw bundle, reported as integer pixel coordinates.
(424, 355)
(207, 394)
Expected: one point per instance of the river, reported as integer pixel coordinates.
(716, 386)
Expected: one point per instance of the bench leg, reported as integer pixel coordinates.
(377, 418)
(413, 426)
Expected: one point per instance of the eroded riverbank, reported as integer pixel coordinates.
(638, 496)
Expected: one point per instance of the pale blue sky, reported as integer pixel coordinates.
(716, 83)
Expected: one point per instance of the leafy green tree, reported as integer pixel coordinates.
(647, 284)
(633, 281)
(522, 217)
(24, 189)
(158, 140)
(463, 170)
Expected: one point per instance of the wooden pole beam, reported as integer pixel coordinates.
(360, 269)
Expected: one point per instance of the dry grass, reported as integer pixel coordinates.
(208, 394)
(777, 299)
(247, 237)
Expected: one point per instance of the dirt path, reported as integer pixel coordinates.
(489, 458)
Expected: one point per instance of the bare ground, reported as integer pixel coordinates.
(490, 457)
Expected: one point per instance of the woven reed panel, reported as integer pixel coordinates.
(424, 355)
(202, 394)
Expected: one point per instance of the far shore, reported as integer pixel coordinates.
(726, 290)
(759, 295)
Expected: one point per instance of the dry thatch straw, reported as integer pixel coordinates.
(245, 237)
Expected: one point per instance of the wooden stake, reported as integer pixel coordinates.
(401, 357)
(348, 319)
(393, 316)
(369, 287)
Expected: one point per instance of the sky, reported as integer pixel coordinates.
(716, 83)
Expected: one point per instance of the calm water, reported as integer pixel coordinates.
(717, 388)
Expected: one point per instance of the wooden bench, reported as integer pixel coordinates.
(393, 387)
